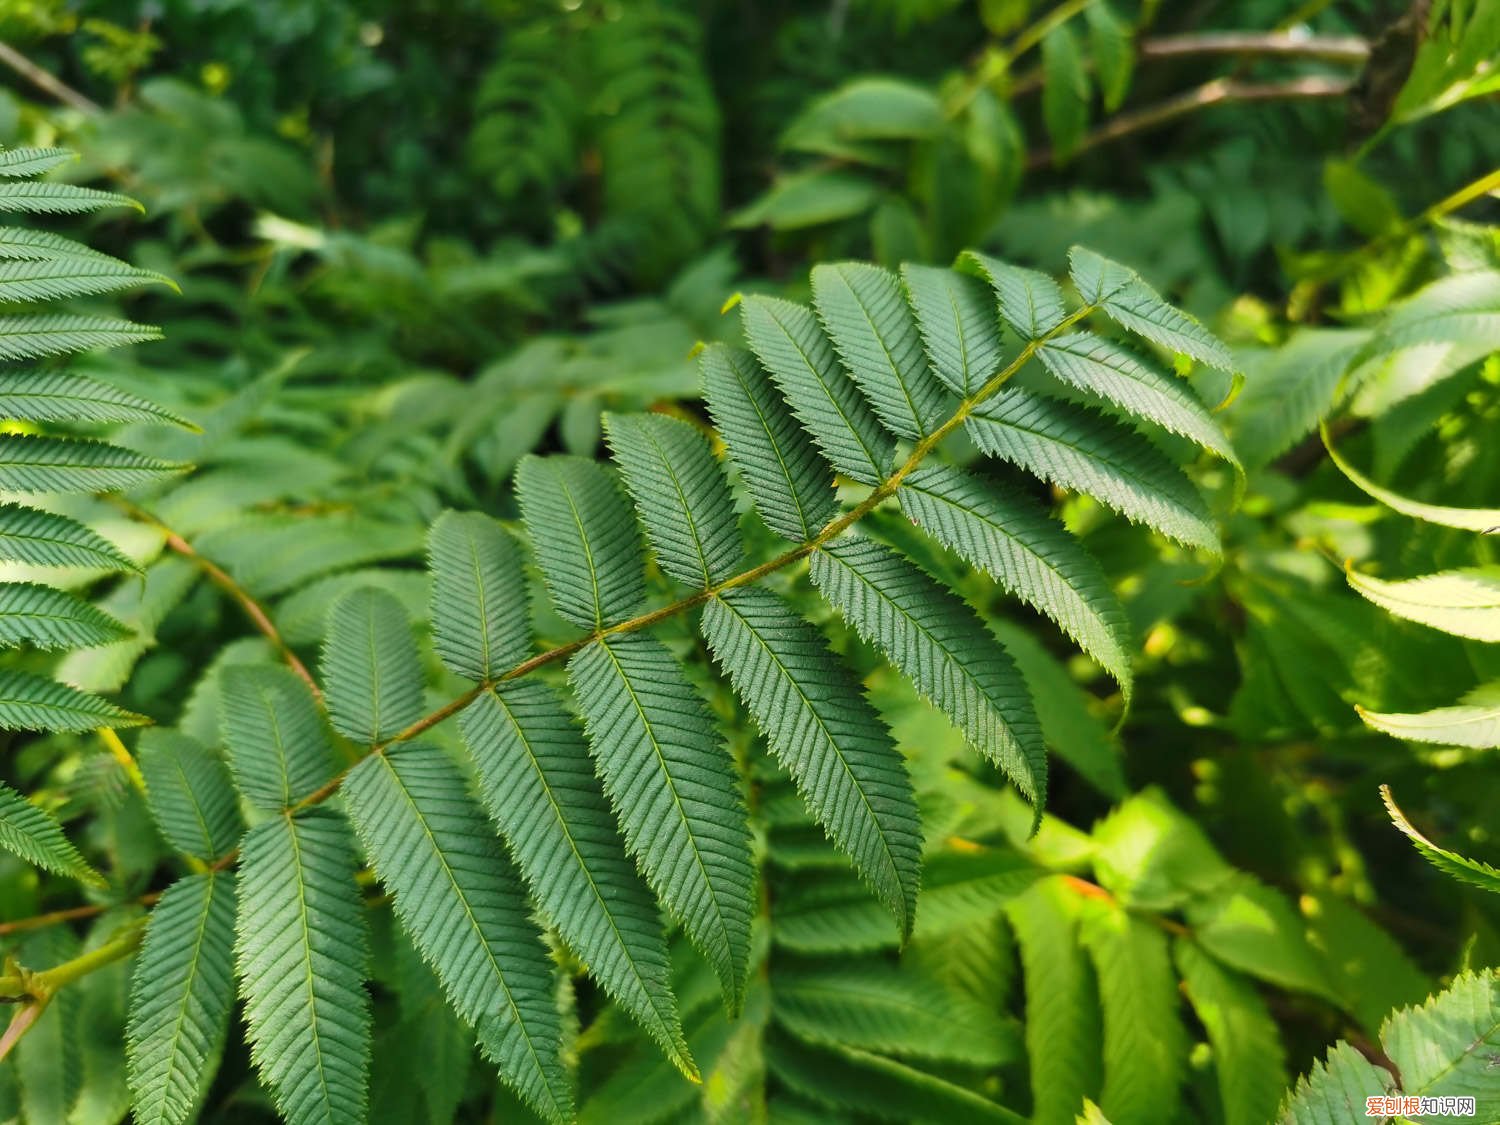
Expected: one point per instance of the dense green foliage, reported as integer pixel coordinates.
(885, 560)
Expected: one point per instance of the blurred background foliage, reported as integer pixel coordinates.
(417, 239)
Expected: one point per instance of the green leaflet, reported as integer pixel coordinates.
(680, 494)
(1062, 1021)
(875, 1007)
(48, 464)
(1065, 92)
(40, 538)
(189, 793)
(959, 324)
(1249, 1061)
(1483, 520)
(1465, 603)
(1251, 927)
(459, 899)
(1074, 447)
(61, 278)
(275, 554)
(1099, 367)
(1335, 1090)
(48, 618)
(874, 331)
(278, 747)
(29, 832)
(790, 484)
(939, 644)
(49, 198)
(30, 702)
(1467, 870)
(371, 668)
(822, 729)
(48, 396)
(25, 244)
(25, 161)
(1367, 967)
(300, 953)
(1030, 302)
(32, 337)
(180, 997)
(792, 346)
(1091, 1113)
(1112, 51)
(586, 542)
(480, 614)
(1029, 554)
(1137, 308)
(674, 789)
(1474, 722)
(538, 784)
(1145, 1044)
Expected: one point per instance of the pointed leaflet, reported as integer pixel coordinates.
(1074, 447)
(60, 278)
(790, 484)
(371, 669)
(189, 793)
(1099, 367)
(481, 623)
(457, 896)
(1249, 1061)
(278, 747)
(47, 396)
(960, 325)
(538, 783)
(1112, 52)
(17, 162)
(32, 834)
(874, 332)
(1446, 1047)
(681, 495)
(792, 346)
(1483, 520)
(585, 538)
(1470, 871)
(180, 998)
(1253, 928)
(51, 198)
(1465, 603)
(1066, 92)
(40, 538)
(674, 789)
(1474, 723)
(301, 953)
(1028, 553)
(1335, 1090)
(1137, 308)
(31, 337)
(48, 464)
(30, 702)
(1145, 1045)
(939, 644)
(823, 730)
(48, 618)
(1030, 302)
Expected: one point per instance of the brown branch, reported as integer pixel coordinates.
(1220, 91)
(45, 80)
(1329, 48)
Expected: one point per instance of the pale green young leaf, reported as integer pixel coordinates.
(371, 669)
(788, 481)
(681, 495)
(874, 331)
(46, 197)
(456, 894)
(1074, 447)
(1091, 1115)
(190, 794)
(825, 732)
(48, 618)
(959, 323)
(1465, 603)
(1137, 308)
(279, 750)
(48, 396)
(1098, 367)
(1030, 302)
(538, 784)
(674, 789)
(792, 346)
(585, 537)
(29, 702)
(29, 161)
(61, 278)
(50, 464)
(943, 648)
(1145, 1044)
(1031, 556)
(301, 952)
(1253, 928)
(181, 993)
(31, 833)
(1471, 871)
(480, 614)
(39, 538)
(31, 337)
(1249, 1060)
(1152, 856)
(1066, 92)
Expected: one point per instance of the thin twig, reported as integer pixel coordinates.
(45, 80)
(1325, 48)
